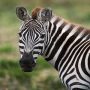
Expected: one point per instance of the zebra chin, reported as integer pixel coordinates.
(27, 62)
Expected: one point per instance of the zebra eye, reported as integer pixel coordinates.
(42, 35)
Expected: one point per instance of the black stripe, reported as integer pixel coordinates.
(22, 47)
(78, 41)
(78, 88)
(21, 52)
(57, 20)
(83, 62)
(23, 29)
(38, 47)
(20, 41)
(70, 78)
(36, 52)
(50, 26)
(88, 61)
(76, 65)
(24, 35)
(71, 39)
(80, 46)
(54, 24)
(61, 40)
(41, 42)
(55, 37)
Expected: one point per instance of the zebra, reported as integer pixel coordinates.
(66, 46)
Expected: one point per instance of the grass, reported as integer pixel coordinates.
(6, 48)
(10, 72)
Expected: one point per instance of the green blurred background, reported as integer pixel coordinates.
(44, 77)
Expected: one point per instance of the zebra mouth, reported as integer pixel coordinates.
(26, 68)
(27, 62)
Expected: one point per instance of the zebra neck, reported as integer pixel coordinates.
(63, 37)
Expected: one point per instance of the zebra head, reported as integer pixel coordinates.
(32, 39)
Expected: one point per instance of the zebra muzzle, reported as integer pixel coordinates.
(27, 62)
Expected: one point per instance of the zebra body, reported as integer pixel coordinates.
(64, 45)
(69, 52)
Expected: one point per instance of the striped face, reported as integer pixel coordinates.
(31, 41)
(31, 37)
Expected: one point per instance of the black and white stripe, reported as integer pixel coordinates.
(64, 45)
(69, 52)
(31, 38)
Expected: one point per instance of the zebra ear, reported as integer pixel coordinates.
(45, 14)
(22, 14)
(48, 13)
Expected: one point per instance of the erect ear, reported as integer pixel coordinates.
(22, 13)
(48, 13)
(44, 14)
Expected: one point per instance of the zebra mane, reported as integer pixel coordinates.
(37, 10)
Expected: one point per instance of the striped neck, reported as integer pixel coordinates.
(62, 36)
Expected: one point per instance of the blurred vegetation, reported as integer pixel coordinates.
(12, 78)
(44, 77)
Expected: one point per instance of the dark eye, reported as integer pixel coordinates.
(42, 35)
